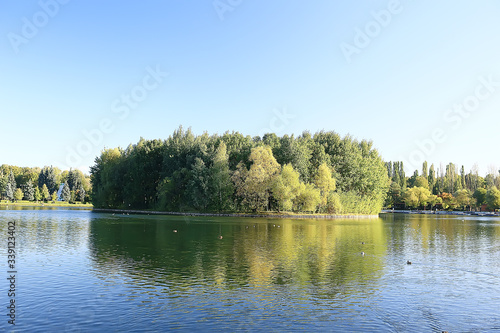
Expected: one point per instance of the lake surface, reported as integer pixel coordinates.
(79, 271)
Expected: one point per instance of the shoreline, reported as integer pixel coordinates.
(45, 204)
(441, 212)
(279, 216)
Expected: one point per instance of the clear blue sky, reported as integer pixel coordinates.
(389, 71)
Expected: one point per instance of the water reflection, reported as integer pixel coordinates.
(257, 253)
(456, 237)
(46, 230)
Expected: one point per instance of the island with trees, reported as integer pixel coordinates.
(320, 173)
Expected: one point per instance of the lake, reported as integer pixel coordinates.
(80, 271)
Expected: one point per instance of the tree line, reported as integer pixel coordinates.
(447, 187)
(321, 173)
(35, 184)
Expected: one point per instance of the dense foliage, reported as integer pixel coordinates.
(232, 172)
(35, 184)
(443, 188)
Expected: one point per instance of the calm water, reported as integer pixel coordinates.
(92, 272)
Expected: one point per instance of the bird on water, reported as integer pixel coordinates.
(408, 262)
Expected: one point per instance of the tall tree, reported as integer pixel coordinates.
(29, 191)
(256, 187)
(65, 193)
(395, 173)
(9, 192)
(81, 193)
(325, 183)
(220, 186)
(3, 181)
(18, 194)
(402, 176)
(45, 193)
(297, 153)
(48, 177)
(74, 179)
(37, 195)
(425, 169)
(462, 177)
(285, 187)
(197, 187)
(493, 198)
(12, 181)
(431, 179)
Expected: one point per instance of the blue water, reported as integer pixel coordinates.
(79, 271)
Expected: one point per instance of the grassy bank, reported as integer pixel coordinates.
(261, 215)
(25, 203)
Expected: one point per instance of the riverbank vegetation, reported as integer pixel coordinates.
(42, 185)
(448, 188)
(320, 173)
(26, 203)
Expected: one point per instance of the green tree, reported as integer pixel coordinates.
(325, 183)
(197, 187)
(462, 178)
(463, 198)
(425, 170)
(18, 194)
(3, 182)
(334, 204)
(80, 194)
(285, 187)
(107, 179)
(37, 195)
(413, 179)
(421, 181)
(393, 195)
(45, 193)
(48, 177)
(75, 178)
(12, 181)
(9, 193)
(54, 196)
(65, 193)
(493, 198)
(297, 153)
(238, 178)
(29, 191)
(417, 196)
(256, 187)
(220, 186)
(480, 196)
(308, 198)
(72, 196)
(431, 179)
